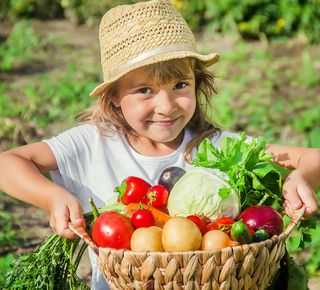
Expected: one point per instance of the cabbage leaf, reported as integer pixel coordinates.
(197, 192)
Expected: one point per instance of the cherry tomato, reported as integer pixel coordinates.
(112, 230)
(212, 227)
(143, 218)
(225, 223)
(199, 222)
(157, 195)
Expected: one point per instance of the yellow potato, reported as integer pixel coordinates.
(147, 239)
(179, 234)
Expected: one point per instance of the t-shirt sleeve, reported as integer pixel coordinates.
(73, 152)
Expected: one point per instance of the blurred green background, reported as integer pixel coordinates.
(268, 78)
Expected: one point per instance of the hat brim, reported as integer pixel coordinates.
(207, 60)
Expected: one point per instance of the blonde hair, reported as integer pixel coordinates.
(104, 112)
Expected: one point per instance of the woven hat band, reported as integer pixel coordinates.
(163, 49)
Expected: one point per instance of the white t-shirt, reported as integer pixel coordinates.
(92, 165)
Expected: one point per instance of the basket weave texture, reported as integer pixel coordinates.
(250, 266)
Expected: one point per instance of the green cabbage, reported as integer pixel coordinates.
(197, 192)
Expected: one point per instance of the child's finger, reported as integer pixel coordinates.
(293, 198)
(62, 229)
(60, 223)
(288, 208)
(303, 195)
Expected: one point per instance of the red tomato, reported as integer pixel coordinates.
(204, 218)
(212, 226)
(225, 223)
(157, 195)
(199, 222)
(112, 230)
(143, 218)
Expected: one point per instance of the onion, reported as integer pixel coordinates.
(216, 240)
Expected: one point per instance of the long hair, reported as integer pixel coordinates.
(113, 121)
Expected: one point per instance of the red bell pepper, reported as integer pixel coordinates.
(133, 190)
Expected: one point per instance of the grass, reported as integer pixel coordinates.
(271, 96)
(269, 89)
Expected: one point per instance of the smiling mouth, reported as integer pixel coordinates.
(167, 123)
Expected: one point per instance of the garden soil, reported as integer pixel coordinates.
(33, 223)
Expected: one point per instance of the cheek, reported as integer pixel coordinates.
(189, 104)
(133, 112)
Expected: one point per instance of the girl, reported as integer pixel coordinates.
(151, 114)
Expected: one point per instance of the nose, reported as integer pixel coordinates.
(165, 103)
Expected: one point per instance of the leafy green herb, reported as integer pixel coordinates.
(54, 263)
(310, 223)
(256, 180)
(50, 266)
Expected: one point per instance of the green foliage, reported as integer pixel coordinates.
(50, 266)
(251, 18)
(283, 18)
(41, 101)
(5, 263)
(262, 91)
(284, 103)
(256, 180)
(9, 234)
(42, 9)
(77, 11)
(90, 12)
(23, 45)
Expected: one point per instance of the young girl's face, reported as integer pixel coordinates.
(157, 112)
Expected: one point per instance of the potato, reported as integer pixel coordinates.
(147, 239)
(179, 234)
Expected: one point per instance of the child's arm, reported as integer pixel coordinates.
(20, 177)
(300, 185)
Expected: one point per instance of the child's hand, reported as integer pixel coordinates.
(297, 191)
(63, 211)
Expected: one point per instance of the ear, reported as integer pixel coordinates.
(113, 96)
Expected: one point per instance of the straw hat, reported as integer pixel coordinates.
(132, 36)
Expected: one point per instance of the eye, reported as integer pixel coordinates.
(180, 86)
(144, 91)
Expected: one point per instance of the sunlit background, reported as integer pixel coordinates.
(268, 81)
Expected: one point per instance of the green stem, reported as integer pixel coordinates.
(263, 199)
(94, 209)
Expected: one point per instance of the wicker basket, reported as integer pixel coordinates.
(250, 266)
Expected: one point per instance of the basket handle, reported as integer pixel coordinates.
(296, 217)
(81, 232)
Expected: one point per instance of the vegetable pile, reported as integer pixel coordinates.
(229, 198)
(225, 200)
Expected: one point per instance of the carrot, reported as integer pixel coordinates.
(161, 217)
